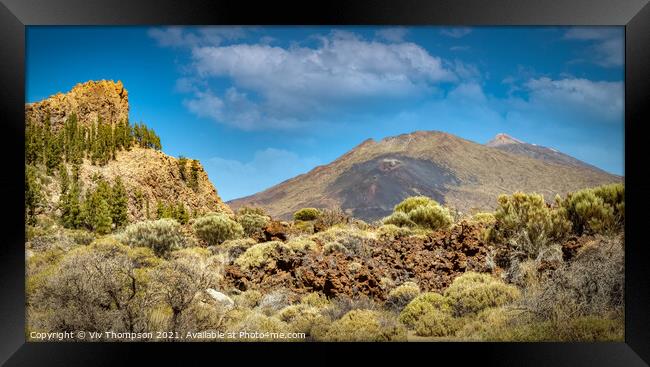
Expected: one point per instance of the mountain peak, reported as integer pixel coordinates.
(503, 139)
(105, 99)
(368, 181)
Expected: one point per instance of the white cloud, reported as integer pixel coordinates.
(588, 33)
(468, 92)
(457, 32)
(300, 83)
(459, 48)
(235, 109)
(202, 36)
(607, 48)
(465, 71)
(395, 34)
(268, 167)
(205, 104)
(600, 99)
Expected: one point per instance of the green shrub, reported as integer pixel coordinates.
(435, 322)
(483, 218)
(591, 329)
(342, 304)
(364, 325)
(353, 239)
(331, 217)
(501, 324)
(410, 203)
(526, 223)
(275, 300)
(302, 318)
(193, 253)
(402, 295)
(57, 239)
(490, 324)
(431, 216)
(614, 196)
(315, 299)
(473, 292)
(399, 219)
(307, 214)
(391, 232)
(248, 299)
(234, 248)
(252, 224)
(592, 283)
(40, 267)
(422, 304)
(332, 247)
(251, 210)
(216, 228)
(597, 210)
(162, 235)
(256, 322)
(420, 211)
(102, 285)
(304, 226)
(258, 255)
(301, 244)
(81, 236)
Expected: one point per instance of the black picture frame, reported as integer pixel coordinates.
(16, 14)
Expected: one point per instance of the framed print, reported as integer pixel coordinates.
(230, 179)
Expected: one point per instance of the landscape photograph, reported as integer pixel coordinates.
(324, 184)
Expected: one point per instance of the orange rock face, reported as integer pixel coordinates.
(90, 101)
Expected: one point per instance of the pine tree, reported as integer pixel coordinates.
(138, 199)
(46, 138)
(128, 135)
(111, 142)
(33, 195)
(119, 203)
(54, 151)
(97, 209)
(182, 215)
(70, 204)
(103, 221)
(92, 136)
(33, 143)
(71, 213)
(182, 163)
(64, 180)
(194, 175)
(160, 210)
(72, 141)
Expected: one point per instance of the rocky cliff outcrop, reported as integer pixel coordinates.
(91, 100)
(157, 177)
(149, 175)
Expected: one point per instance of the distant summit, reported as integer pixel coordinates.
(503, 139)
(371, 178)
(507, 143)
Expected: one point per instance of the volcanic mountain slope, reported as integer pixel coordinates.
(370, 179)
(507, 143)
(149, 175)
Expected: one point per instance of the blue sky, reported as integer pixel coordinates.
(259, 105)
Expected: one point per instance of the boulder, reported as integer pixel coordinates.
(220, 298)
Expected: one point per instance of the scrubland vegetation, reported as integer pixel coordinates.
(551, 272)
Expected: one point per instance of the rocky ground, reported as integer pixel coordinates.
(433, 261)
